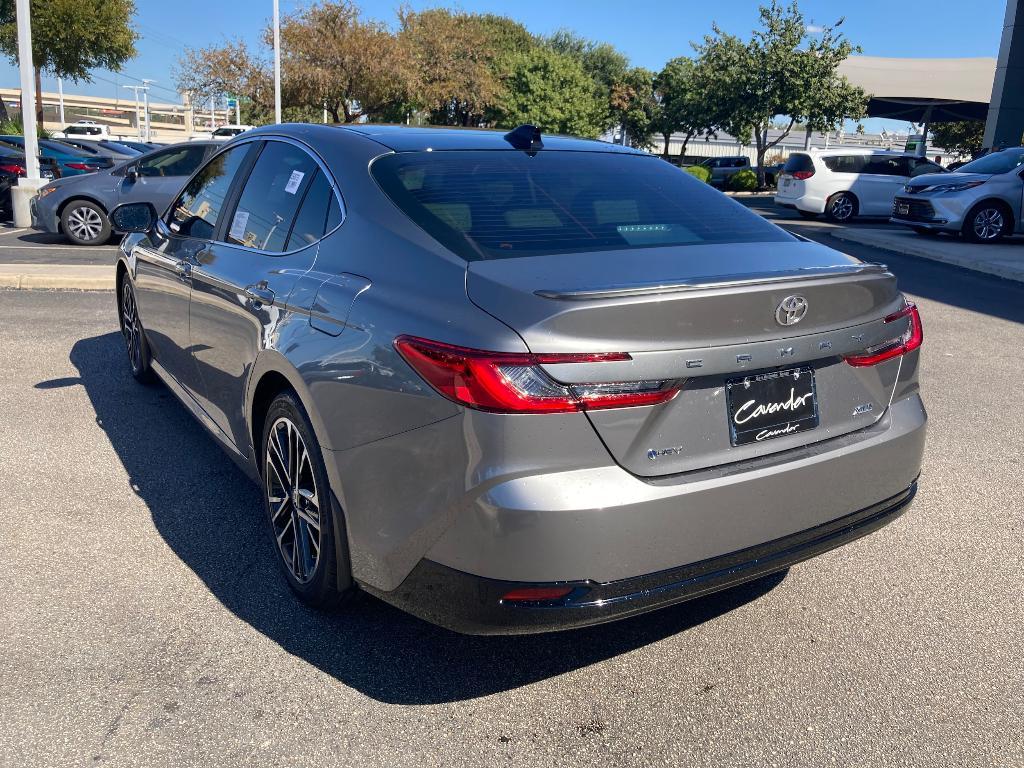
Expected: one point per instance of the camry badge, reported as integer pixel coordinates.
(791, 310)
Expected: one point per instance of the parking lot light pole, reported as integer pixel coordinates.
(277, 62)
(26, 187)
(145, 101)
(138, 119)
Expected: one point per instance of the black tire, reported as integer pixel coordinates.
(987, 222)
(85, 223)
(326, 581)
(139, 356)
(807, 214)
(841, 207)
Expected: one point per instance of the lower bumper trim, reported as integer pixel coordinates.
(473, 604)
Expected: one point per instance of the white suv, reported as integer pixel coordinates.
(843, 183)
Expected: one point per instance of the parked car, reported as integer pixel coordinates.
(982, 200)
(722, 168)
(84, 129)
(78, 207)
(224, 133)
(141, 146)
(845, 183)
(116, 152)
(12, 168)
(505, 385)
(772, 173)
(72, 161)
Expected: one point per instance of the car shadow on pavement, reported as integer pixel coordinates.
(210, 515)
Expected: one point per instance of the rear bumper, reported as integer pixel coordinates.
(473, 604)
(803, 202)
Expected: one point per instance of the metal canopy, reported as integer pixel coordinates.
(923, 90)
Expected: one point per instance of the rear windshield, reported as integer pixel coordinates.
(507, 204)
(1003, 161)
(798, 162)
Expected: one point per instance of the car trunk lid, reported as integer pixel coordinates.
(704, 316)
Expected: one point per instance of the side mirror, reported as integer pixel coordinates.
(132, 174)
(133, 217)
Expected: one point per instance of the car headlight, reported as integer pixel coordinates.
(958, 187)
(45, 191)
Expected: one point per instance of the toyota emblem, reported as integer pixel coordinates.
(791, 310)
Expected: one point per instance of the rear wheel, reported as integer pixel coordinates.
(986, 223)
(300, 507)
(841, 207)
(85, 223)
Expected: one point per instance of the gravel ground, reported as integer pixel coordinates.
(142, 621)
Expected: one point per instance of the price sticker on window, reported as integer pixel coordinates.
(293, 182)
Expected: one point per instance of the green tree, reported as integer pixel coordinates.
(552, 91)
(635, 107)
(964, 138)
(682, 107)
(606, 66)
(72, 37)
(780, 70)
(211, 72)
(336, 61)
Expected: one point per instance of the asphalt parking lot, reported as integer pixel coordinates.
(143, 621)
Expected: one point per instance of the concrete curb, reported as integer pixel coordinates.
(57, 277)
(978, 258)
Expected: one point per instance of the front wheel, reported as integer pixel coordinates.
(841, 207)
(986, 223)
(85, 223)
(134, 337)
(300, 507)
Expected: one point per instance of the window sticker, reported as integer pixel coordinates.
(237, 231)
(293, 182)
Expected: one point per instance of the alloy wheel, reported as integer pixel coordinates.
(842, 208)
(293, 498)
(130, 326)
(85, 223)
(988, 223)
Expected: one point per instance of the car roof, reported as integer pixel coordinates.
(404, 138)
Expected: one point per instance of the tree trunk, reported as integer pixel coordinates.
(39, 100)
(666, 136)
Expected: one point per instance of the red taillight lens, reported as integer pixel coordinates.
(17, 170)
(802, 175)
(910, 340)
(535, 594)
(79, 166)
(514, 382)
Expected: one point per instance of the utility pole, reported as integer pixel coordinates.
(26, 187)
(213, 115)
(277, 62)
(145, 98)
(138, 119)
(60, 97)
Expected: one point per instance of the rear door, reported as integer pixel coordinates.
(242, 281)
(882, 178)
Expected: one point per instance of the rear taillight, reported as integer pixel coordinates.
(80, 166)
(514, 382)
(909, 340)
(802, 175)
(17, 170)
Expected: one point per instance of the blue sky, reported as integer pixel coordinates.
(648, 31)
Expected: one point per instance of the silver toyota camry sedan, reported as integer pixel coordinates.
(513, 382)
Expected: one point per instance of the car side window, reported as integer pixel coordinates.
(270, 199)
(887, 166)
(921, 167)
(310, 223)
(196, 211)
(180, 161)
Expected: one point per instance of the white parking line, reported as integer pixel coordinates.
(13, 231)
(79, 248)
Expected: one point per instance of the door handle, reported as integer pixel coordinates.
(183, 269)
(259, 294)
